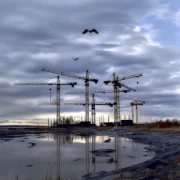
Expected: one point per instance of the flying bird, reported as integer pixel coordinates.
(93, 30)
(76, 58)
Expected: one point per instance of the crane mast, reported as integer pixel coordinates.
(118, 102)
(115, 84)
(58, 101)
(86, 80)
(57, 93)
(87, 96)
(93, 111)
(136, 103)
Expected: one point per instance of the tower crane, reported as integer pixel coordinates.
(93, 104)
(136, 103)
(117, 85)
(86, 80)
(57, 94)
(93, 111)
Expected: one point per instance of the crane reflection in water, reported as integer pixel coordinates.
(89, 145)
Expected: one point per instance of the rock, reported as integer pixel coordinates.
(132, 157)
(110, 160)
(103, 152)
(79, 159)
(31, 144)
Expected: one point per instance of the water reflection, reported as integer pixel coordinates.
(116, 147)
(87, 155)
(58, 156)
(93, 155)
(67, 156)
(98, 163)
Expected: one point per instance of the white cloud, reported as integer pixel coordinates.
(137, 29)
(137, 50)
(46, 56)
(150, 41)
(165, 13)
(177, 18)
(174, 75)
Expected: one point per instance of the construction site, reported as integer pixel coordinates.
(90, 106)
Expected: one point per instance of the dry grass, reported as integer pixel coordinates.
(162, 127)
(175, 130)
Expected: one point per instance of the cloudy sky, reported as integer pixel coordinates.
(135, 36)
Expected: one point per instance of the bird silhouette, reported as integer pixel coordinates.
(93, 30)
(76, 58)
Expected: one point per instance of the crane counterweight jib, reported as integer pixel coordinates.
(137, 103)
(107, 82)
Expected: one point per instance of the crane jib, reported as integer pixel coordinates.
(70, 75)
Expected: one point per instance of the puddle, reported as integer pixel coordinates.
(67, 156)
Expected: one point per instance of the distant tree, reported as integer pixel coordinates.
(67, 121)
(71, 119)
(64, 119)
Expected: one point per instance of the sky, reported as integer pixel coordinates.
(135, 36)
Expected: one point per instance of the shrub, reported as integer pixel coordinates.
(164, 124)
